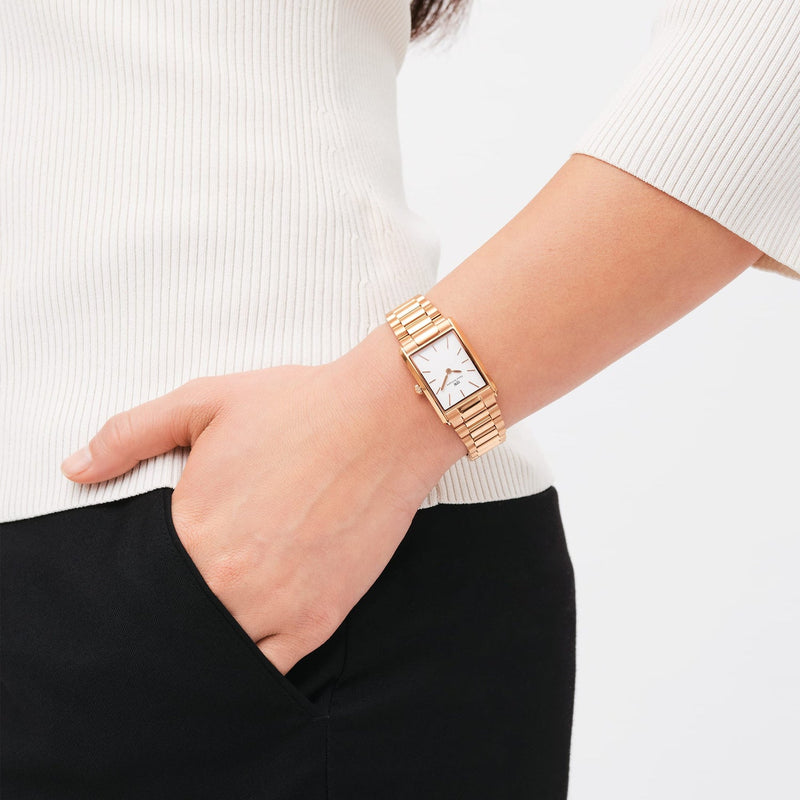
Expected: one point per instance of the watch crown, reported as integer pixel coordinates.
(417, 388)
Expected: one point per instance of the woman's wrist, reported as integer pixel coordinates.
(380, 386)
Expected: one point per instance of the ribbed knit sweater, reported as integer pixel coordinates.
(711, 115)
(192, 188)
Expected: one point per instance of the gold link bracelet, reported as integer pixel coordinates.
(476, 417)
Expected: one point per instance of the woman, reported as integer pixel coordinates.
(269, 570)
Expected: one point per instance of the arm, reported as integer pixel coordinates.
(597, 263)
(287, 460)
(690, 172)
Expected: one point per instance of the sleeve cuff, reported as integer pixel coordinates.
(711, 116)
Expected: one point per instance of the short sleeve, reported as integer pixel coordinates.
(711, 116)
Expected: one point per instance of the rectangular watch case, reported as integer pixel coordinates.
(453, 415)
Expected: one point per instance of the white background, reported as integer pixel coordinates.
(678, 467)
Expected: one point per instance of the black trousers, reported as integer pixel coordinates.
(124, 676)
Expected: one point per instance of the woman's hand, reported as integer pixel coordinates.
(298, 488)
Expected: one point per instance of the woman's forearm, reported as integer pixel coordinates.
(597, 263)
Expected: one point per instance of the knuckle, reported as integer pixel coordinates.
(224, 571)
(116, 433)
(285, 650)
(199, 402)
(196, 388)
(316, 622)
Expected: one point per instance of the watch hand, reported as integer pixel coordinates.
(447, 374)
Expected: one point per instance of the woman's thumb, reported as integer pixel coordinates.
(175, 419)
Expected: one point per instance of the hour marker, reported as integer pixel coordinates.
(474, 384)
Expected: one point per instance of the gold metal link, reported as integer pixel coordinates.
(478, 420)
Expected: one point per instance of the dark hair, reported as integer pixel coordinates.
(439, 16)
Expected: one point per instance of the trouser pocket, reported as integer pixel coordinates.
(121, 669)
(307, 686)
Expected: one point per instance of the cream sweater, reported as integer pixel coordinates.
(192, 188)
(711, 115)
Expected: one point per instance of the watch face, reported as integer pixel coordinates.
(448, 370)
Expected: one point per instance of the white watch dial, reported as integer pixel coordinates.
(448, 370)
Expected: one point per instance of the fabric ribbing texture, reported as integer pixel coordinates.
(711, 116)
(191, 189)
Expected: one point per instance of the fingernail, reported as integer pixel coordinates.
(77, 462)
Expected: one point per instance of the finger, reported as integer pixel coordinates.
(157, 426)
(281, 651)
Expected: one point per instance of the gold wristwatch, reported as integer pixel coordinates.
(449, 374)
